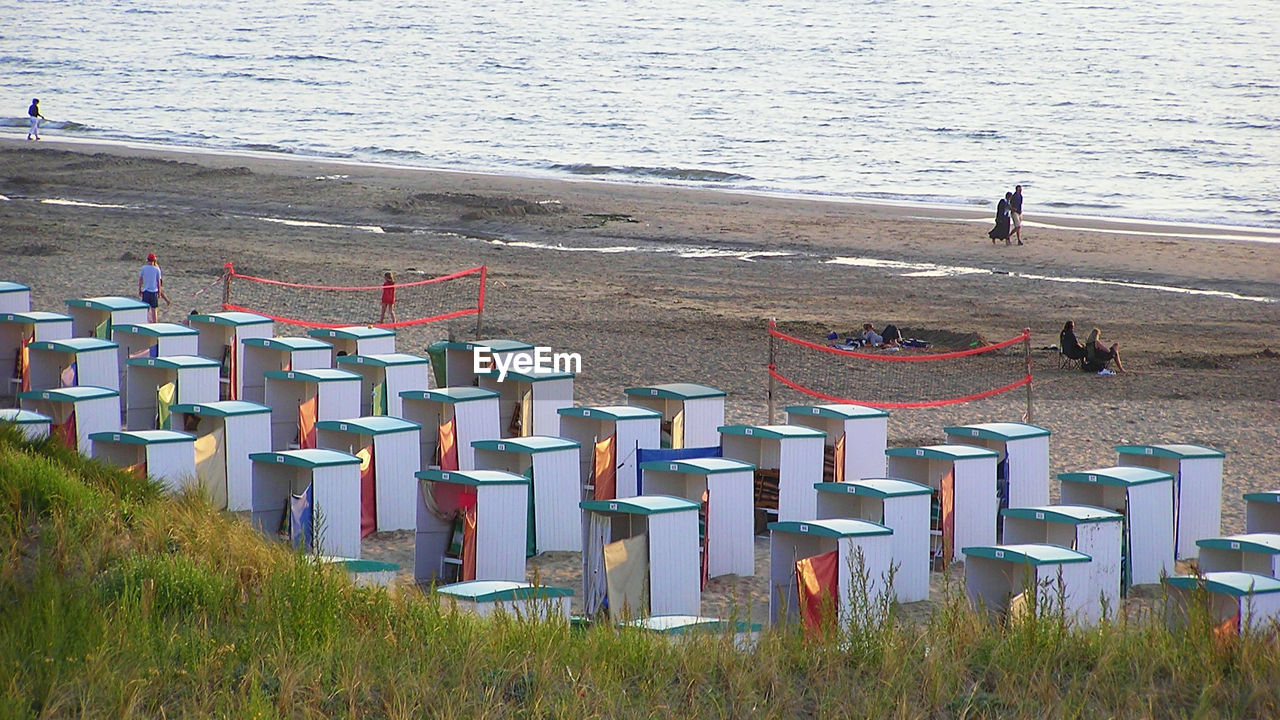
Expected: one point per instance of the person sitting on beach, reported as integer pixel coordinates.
(892, 335)
(1097, 356)
(870, 336)
(1071, 347)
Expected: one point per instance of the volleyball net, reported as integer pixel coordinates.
(908, 378)
(325, 306)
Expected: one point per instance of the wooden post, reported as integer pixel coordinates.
(772, 382)
(1026, 347)
(226, 285)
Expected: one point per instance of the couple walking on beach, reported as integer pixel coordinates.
(1008, 218)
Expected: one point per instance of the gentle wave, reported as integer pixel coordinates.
(669, 173)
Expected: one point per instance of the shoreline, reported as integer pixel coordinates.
(289, 163)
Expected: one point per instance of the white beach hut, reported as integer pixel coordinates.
(451, 418)
(93, 317)
(17, 329)
(529, 402)
(33, 425)
(523, 600)
(691, 414)
(265, 354)
(1262, 512)
(641, 557)
(226, 434)
(1251, 552)
(727, 486)
(460, 358)
(309, 495)
(384, 377)
(154, 385)
(1022, 471)
(162, 339)
(787, 460)
(71, 362)
(356, 340)
(1093, 531)
(388, 452)
(1031, 578)
(677, 627)
(965, 506)
(488, 508)
(300, 398)
(849, 559)
(166, 455)
(14, 297)
(363, 573)
(900, 505)
(221, 338)
(1237, 601)
(1145, 498)
(76, 412)
(856, 433)
(1197, 488)
(551, 464)
(610, 436)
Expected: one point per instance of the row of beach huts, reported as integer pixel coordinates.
(325, 438)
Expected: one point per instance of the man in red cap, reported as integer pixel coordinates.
(151, 287)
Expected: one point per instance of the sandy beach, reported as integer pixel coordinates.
(1195, 309)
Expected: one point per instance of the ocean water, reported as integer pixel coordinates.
(1164, 109)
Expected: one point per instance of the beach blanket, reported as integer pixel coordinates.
(166, 396)
(817, 586)
(626, 567)
(644, 455)
(299, 520)
(368, 492)
(211, 467)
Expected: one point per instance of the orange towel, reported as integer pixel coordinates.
(448, 444)
(604, 471)
(307, 422)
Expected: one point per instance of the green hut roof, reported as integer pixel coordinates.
(1028, 553)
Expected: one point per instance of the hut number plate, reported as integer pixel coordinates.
(1000, 554)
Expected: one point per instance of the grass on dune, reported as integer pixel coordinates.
(116, 601)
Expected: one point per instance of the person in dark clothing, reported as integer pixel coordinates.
(1015, 212)
(1001, 230)
(34, 113)
(1097, 356)
(1071, 347)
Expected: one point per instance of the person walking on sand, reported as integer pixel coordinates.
(1015, 212)
(151, 288)
(388, 298)
(1001, 230)
(34, 113)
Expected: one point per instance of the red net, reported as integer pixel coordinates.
(325, 306)
(907, 378)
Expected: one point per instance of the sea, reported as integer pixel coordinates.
(1163, 110)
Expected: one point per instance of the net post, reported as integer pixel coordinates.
(1026, 349)
(484, 272)
(772, 382)
(226, 284)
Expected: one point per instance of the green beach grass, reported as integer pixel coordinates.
(118, 602)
